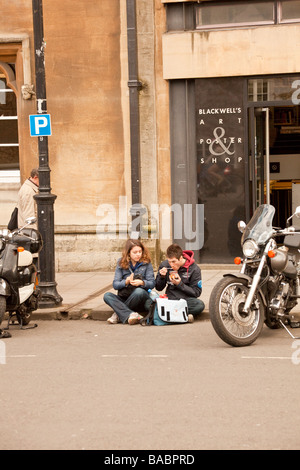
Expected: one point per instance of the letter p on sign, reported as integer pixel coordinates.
(40, 125)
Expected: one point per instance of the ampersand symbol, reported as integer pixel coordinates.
(218, 141)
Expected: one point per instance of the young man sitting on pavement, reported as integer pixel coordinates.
(182, 276)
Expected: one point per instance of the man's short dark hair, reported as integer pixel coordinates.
(174, 251)
(34, 172)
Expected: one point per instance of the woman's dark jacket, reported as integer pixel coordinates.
(144, 269)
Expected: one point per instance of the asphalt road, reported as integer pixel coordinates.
(72, 385)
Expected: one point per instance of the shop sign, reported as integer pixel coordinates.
(221, 160)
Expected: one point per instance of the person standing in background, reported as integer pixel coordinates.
(26, 204)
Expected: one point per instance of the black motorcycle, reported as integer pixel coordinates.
(267, 287)
(19, 293)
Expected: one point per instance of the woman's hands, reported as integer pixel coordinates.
(134, 282)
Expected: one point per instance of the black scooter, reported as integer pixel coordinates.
(19, 293)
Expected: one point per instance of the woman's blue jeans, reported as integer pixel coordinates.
(138, 301)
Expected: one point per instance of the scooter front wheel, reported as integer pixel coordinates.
(231, 323)
(2, 307)
(23, 318)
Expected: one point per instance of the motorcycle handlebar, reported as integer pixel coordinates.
(285, 231)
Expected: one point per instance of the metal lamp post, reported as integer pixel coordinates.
(44, 198)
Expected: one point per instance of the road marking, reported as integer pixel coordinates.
(267, 357)
(21, 355)
(134, 355)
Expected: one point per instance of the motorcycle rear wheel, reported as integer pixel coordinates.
(229, 321)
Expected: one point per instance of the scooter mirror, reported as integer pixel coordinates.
(4, 232)
(30, 220)
(297, 211)
(241, 226)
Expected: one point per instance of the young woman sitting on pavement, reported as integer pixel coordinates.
(134, 276)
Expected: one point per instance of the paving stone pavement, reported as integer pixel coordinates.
(82, 293)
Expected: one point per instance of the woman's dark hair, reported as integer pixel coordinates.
(124, 262)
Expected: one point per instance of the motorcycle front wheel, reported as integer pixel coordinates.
(226, 304)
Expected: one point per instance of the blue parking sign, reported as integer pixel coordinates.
(40, 125)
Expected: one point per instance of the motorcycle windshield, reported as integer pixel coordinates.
(260, 228)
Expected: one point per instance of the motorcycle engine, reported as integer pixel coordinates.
(279, 300)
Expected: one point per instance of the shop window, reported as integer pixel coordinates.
(9, 146)
(284, 130)
(246, 13)
(274, 89)
(258, 90)
(289, 11)
(233, 13)
(281, 96)
(180, 17)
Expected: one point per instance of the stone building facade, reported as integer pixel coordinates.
(205, 74)
(86, 61)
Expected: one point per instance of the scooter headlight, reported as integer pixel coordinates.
(250, 249)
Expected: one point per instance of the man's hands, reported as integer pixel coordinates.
(174, 277)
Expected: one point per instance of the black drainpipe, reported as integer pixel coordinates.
(134, 85)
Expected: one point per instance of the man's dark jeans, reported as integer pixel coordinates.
(195, 306)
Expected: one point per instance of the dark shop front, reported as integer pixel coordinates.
(221, 162)
(235, 144)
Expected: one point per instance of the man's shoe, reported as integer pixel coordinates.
(113, 319)
(134, 318)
